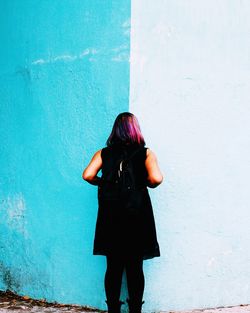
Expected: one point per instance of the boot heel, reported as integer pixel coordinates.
(114, 306)
(134, 305)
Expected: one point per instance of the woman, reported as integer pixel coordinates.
(125, 242)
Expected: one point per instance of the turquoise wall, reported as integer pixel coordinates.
(64, 70)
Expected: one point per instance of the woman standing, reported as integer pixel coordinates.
(125, 239)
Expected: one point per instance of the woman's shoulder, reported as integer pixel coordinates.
(107, 151)
(150, 154)
(140, 150)
(147, 151)
(103, 151)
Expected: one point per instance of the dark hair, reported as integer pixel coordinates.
(126, 130)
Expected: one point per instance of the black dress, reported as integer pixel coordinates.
(116, 233)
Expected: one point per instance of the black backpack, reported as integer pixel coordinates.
(118, 187)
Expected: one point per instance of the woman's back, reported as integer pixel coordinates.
(111, 154)
(124, 234)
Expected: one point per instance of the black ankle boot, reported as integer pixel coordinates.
(134, 306)
(114, 306)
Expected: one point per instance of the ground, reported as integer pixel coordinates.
(12, 303)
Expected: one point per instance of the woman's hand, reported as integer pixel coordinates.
(90, 172)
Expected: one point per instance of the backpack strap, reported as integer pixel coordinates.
(127, 158)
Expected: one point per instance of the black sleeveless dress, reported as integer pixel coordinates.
(114, 233)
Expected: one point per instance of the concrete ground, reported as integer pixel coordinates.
(12, 303)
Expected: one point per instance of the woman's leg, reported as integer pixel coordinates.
(135, 278)
(113, 278)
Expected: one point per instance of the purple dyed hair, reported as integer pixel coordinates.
(126, 130)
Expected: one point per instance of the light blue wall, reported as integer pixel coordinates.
(64, 68)
(190, 88)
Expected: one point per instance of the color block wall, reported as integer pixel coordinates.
(67, 69)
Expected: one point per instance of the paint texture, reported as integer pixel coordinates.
(189, 87)
(64, 71)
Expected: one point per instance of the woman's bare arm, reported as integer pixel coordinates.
(90, 172)
(155, 176)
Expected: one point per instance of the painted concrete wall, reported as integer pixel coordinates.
(64, 70)
(189, 87)
(64, 78)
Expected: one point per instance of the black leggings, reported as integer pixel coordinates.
(134, 274)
